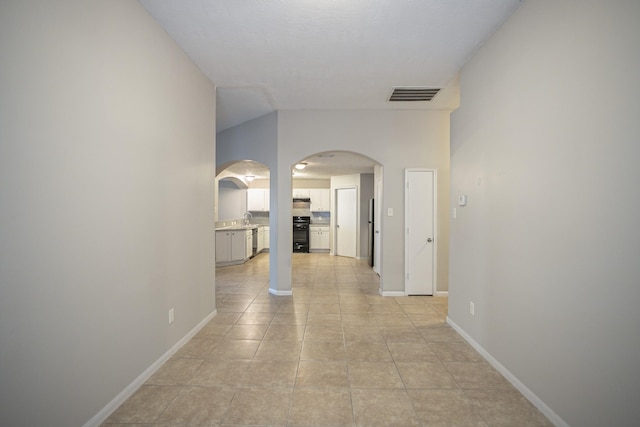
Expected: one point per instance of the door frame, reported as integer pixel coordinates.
(435, 227)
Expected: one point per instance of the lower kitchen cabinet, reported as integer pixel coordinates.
(319, 239)
(266, 237)
(231, 246)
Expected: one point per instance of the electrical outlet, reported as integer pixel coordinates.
(171, 316)
(471, 309)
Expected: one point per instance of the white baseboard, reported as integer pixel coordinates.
(392, 293)
(104, 413)
(535, 400)
(280, 293)
(442, 293)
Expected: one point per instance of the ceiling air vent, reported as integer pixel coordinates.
(413, 94)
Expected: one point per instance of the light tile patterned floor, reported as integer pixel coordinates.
(334, 354)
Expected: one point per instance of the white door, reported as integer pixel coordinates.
(346, 222)
(419, 231)
(377, 221)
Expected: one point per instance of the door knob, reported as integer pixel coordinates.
(429, 240)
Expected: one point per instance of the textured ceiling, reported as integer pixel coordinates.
(267, 55)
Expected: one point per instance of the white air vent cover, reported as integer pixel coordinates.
(413, 94)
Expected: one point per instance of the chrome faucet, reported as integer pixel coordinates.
(247, 217)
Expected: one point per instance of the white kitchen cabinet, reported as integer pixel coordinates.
(249, 247)
(301, 192)
(260, 245)
(258, 199)
(231, 246)
(266, 237)
(320, 199)
(319, 238)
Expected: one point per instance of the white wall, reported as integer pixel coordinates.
(107, 145)
(545, 145)
(397, 140)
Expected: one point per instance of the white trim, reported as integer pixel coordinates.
(535, 400)
(442, 293)
(434, 273)
(393, 294)
(280, 293)
(104, 413)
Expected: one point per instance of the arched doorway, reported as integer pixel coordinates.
(242, 215)
(340, 185)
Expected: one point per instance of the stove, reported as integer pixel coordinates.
(301, 233)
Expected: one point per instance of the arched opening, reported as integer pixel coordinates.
(339, 191)
(242, 222)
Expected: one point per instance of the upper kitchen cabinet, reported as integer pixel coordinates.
(301, 193)
(258, 199)
(320, 199)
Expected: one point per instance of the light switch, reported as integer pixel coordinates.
(454, 213)
(390, 212)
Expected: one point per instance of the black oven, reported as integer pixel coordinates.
(301, 233)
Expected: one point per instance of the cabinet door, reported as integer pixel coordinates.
(260, 239)
(301, 192)
(320, 199)
(267, 237)
(257, 199)
(249, 245)
(314, 238)
(238, 245)
(323, 235)
(223, 246)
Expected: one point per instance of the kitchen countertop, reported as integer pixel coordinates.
(239, 227)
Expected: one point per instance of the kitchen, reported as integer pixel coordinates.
(243, 227)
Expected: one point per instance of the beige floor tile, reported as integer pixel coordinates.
(358, 319)
(367, 351)
(321, 374)
(363, 333)
(323, 333)
(279, 350)
(374, 375)
(383, 408)
(259, 406)
(299, 319)
(197, 348)
(326, 319)
(445, 408)
(321, 408)
(175, 371)
(438, 333)
(477, 375)
(214, 372)
(426, 375)
(197, 406)
(145, 405)
(271, 373)
(255, 319)
(246, 332)
(262, 308)
(213, 330)
(235, 349)
(401, 333)
(418, 351)
(323, 350)
(284, 333)
(455, 351)
(506, 408)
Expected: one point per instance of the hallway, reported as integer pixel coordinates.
(334, 354)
